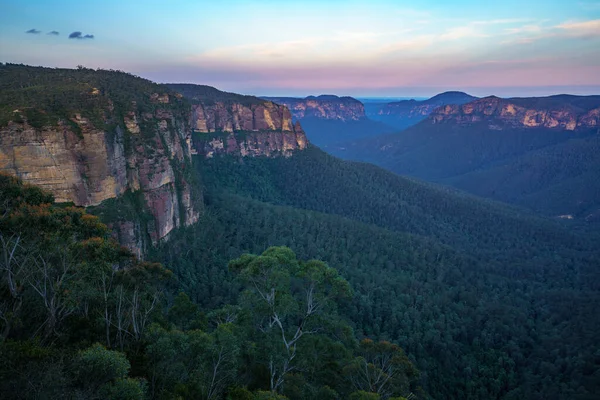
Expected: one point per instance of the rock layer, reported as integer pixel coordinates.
(245, 126)
(252, 144)
(552, 112)
(323, 107)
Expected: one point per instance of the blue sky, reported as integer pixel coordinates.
(360, 48)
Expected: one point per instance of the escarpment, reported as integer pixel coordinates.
(560, 112)
(246, 126)
(323, 107)
(122, 146)
(99, 139)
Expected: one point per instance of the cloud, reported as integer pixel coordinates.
(523, 29)
(53, 33)
(33, 32)
(79, 35)
(581, 29)
(571, 30)
(504, 21)
(461, 32)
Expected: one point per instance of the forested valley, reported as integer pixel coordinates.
(290, 276)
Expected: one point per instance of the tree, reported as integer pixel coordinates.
(103, 374)
(381, 368)
(289, 299)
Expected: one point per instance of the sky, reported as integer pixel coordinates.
(377, 48)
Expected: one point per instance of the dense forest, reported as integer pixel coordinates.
(476, 292)
(81, 318)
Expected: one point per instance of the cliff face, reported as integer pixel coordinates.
(141, 147)
(235, 117)
(323, 107)
(227, 123)
(251, 144)
(558, 112)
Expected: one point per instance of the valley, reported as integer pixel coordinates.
(248, 218)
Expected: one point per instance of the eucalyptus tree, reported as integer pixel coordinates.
(289, 300)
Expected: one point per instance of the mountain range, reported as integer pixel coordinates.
(487, 300)
(534, 152)
(402, 114)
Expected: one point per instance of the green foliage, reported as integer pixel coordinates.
(428, 267)
(97, 366)
(46, 96)
(124, 389)
(362, 395)
(262, 395)
(209, 95)
(239, 393)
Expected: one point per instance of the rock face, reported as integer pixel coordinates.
(252, 144)
(559, 112)
(246, 126)
(141, 147)
(323, 107)
(236, 117)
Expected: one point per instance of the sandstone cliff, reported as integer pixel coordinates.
(227, 123)
(251, 144)
(560, 112)
(92, 136)
(323, 107)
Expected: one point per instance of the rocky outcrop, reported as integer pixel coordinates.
(236, 117)
(559, 112)
(145, 151)
(323, 107)
(245, 126)
(251, 144)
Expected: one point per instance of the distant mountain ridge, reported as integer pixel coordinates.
(329, 119)
(561, 111)
(402, 114)
(325, 106)
(537, 152)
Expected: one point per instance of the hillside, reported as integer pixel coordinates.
(385, 236)
(529, 151)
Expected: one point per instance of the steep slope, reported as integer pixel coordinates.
(402, 114)
(561, 180)
(92, 136)
(329, 119)
(458, 143)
